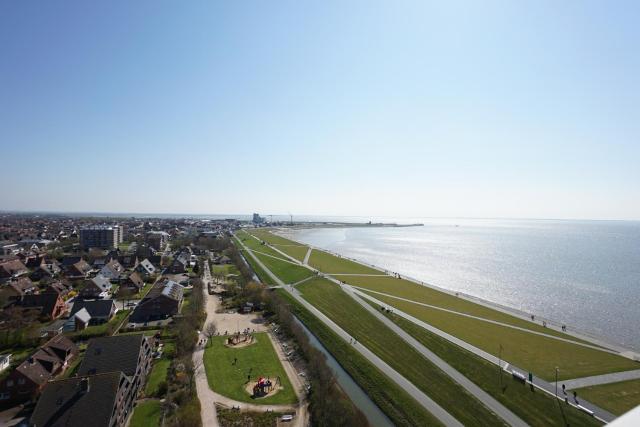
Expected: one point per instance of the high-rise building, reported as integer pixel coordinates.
(257, 219)
(101, 236)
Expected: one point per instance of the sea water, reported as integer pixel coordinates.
(585, 274)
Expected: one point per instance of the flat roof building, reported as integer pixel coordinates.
(101, 236)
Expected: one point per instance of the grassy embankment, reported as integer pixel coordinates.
(535, 353)
(373, 334)
(616, 398)
(289, 247)
(331, 264)
(285, 269)
(534, 407)
(395, 402)
(258, 359)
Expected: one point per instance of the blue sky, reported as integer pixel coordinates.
(478, 109)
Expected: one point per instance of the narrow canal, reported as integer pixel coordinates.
(374, 415)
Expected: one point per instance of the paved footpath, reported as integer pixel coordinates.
(495, 322)
(306, 257)
(209, 398)
(541, 384)
(602, 379)
(491, 403)
(431, 406)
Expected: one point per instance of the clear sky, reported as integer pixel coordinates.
(478, 109)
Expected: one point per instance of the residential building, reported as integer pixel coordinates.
(100, 310)
(50, 303)
(163, 300)
(133, 283)
(101, 236)
(145, 268)
(28, 378)
(97, 287)
(112, 270)
(95, 400)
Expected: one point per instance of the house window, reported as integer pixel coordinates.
(21, 381)
(10, 383)
(4, 396)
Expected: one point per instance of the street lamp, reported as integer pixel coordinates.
(557, 382)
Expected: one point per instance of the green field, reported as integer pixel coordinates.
(373, 334)
(328, 263)
(535, 408)
(401, 408)
(535, 353)
(146, 414)
(285, 270)
(259, 359)
(616, 398)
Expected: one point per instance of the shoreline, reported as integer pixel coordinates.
(628, 352)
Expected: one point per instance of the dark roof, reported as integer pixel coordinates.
(40, 366)
(167, 288)
(109, 354)
(64, 403)
(96, 308)
(46, 301)
(135, 279)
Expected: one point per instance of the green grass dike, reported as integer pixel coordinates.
(536, 408)
(401, 408)
(535, 353)
(616, 398)
(373, 334)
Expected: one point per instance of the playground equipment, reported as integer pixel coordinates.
(265, 386)
(240, 338)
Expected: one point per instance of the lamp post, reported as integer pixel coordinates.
(557, 382)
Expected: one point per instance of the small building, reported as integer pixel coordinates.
(145, 268)
(78, 321)
(12, 269)
(28, 378)
(133, 283)
(100, 310)
(51, 304)
(112, 270)
(78, 270)
(97, 287)
(16, 289)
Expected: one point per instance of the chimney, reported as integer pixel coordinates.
(84, 385)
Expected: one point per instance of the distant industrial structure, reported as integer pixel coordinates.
(101, 236)
(257, 219)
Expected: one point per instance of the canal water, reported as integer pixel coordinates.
(374, 415)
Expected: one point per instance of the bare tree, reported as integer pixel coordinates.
(210, 330)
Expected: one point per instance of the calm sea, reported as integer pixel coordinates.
(582, 273)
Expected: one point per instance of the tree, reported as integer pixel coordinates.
(210, 330)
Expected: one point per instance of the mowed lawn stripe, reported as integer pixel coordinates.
(328, 263)
(272, 238)
(535, 353)
(227, 369)
(424, 294)
(297, 252)
(401, 408)
(535, 408)
(616, 398)
(285, 270)
(372, 333)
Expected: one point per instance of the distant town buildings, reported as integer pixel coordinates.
(101, 236)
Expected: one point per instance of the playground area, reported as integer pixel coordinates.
(245, 367)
